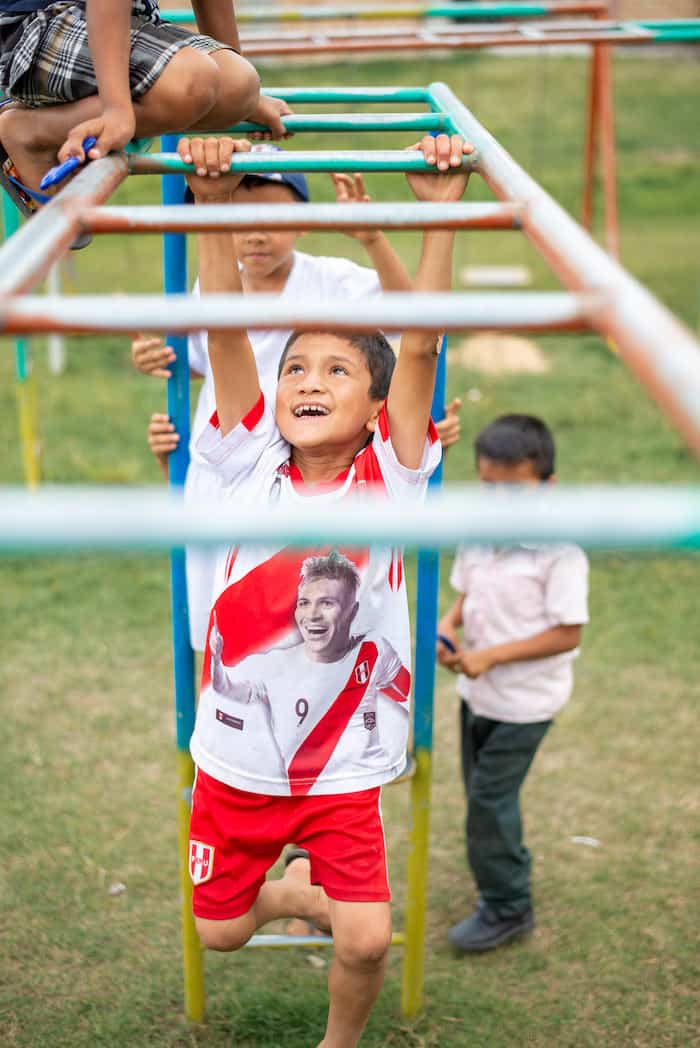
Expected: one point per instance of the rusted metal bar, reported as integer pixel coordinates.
(27, 257)
(240, 217)
(526, 311)
(607, 147)
(657, 347)
(454, 40)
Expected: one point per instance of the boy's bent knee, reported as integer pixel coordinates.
(361, 933)
(187, 89)
(224, 936)
(239, 85)
(365, 951)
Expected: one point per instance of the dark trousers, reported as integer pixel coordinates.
(495, 760)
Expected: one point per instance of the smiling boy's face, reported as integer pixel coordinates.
(324, 613)
(323, 397)
(265, 254)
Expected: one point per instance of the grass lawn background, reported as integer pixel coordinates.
(87, 779)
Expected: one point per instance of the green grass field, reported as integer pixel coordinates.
(87, 775)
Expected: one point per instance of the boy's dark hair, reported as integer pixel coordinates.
(374, 347)
(511, 439)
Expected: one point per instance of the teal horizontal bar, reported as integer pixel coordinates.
(667, 32)
(353, 122)
(122, 518)
(321, 13)
(301, 95)
(250, 163)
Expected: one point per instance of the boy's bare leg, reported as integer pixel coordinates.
(362, 936)
(290, 896)
(194, 90)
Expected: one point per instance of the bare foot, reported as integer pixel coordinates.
(312, 902)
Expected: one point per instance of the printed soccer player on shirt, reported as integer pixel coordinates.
(338, 715)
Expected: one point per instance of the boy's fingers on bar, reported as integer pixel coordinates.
(458, 149)
(225, 153)
(184, 150)
(212, 148)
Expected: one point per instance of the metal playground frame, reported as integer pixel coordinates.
(601, 297)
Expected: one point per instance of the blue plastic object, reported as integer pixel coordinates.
(61, 171)
(447, 642)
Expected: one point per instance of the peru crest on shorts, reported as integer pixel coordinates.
(201, 862)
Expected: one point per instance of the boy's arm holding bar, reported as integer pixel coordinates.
(236, 383)
(411, 393)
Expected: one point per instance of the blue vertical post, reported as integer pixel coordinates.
(423, 692)
(175, 279)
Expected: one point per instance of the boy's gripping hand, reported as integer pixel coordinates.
(350, 189)
(162, 439)
(213, 179)
(151, 356)
(113, 130)
(269, 111)
(445, 152)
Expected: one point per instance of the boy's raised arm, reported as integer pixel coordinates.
(411, 391)
(236, 383)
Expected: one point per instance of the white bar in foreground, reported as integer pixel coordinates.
(528, 310)
(152, 518)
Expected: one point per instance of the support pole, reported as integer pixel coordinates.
(600, 145)
(56, 342)
(26, 383)
(424, 691)
(175, 270)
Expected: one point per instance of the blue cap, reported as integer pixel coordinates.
(294, 179)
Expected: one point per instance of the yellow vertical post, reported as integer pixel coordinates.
(424, 689)
(414, 949)
(192, 959)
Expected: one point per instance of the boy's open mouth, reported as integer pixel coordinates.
(310, 411)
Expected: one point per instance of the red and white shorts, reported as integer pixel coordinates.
(235, 837)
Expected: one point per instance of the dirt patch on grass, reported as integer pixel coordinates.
(497, 354)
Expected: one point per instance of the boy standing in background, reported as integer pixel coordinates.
(521, 609)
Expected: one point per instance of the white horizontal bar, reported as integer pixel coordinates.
(391, 312)
(154, 518)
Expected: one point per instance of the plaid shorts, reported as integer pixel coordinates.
(45, 59)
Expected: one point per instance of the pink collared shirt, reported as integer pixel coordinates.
(510, 594)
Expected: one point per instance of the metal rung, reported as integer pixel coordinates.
(312, 942)
(239, 217)
(444, 311)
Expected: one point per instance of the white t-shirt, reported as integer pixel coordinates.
(312, 278)
(279, 722)
(512, 593)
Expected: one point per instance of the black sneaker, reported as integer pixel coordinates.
(485, 930)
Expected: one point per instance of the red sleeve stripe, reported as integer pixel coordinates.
(400, 687)
(251, 420)
(383, 427)
(383, 423)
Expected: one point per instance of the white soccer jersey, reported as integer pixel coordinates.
(313, 719)
(273, 719)
(312, 279)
